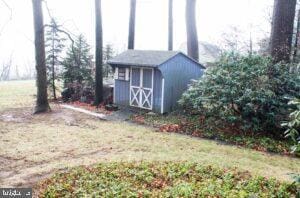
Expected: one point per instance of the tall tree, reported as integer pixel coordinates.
(42, 104)
(54, 48)
(131, 32)
(296, 44)
(282, 29)
(191, 29)
(170, 26)
(99, 54)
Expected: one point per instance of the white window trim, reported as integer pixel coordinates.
(127, 74)
(116, 75)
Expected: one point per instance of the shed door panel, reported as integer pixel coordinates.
(135, 96)
(141, 88)
(146, 98)
(135, 77)
(147, 78)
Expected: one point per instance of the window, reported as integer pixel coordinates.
(122, 73)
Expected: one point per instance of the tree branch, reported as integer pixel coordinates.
(56, 27)
(10, 17)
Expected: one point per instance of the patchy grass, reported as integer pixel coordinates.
(17, 94)
(32, 147)
(161, 180)
(210, 129)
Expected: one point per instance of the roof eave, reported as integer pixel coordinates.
(130, 64)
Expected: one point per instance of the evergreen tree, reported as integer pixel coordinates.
(77, 65)
(108, 53)
(54, 48)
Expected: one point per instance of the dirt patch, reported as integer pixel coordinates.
(16, 115)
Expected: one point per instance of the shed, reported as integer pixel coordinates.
(152, 80)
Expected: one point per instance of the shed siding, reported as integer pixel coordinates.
(122, 92)
(178, 73)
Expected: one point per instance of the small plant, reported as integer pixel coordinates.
(293, 126)
(161, 179)
(296, 178)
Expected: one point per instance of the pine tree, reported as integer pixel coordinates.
(54, 48)
(78, 64)
(108, 53)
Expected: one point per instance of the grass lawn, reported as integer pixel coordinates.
(32, 147)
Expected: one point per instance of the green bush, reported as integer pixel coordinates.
(161, 179)
(248, 91)
(293, 126)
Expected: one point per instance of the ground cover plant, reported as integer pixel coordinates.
(168, 179)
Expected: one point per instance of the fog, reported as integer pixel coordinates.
(214, 17)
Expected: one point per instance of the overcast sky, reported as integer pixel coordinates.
(214, 17)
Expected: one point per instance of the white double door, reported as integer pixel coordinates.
(141, 87)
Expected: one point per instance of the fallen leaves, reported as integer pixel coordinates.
(170, 128)
(200, 126)
(139, 119)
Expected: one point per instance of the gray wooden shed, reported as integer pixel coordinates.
(153, 80)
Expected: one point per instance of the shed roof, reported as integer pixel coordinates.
(147, 58)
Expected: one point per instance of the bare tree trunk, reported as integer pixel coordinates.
(53, 68)
(131, 32)
(282, 30)
(53, 82)
(170, 26)
(250, 43)
(296, 45)
(42, 104)
(191, 29)
(99, 54)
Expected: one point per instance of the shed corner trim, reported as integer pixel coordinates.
(162, 95)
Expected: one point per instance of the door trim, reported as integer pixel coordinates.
(133, 95)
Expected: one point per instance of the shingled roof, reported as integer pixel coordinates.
(147, 58)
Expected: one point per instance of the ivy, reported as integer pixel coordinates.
(161, 179)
